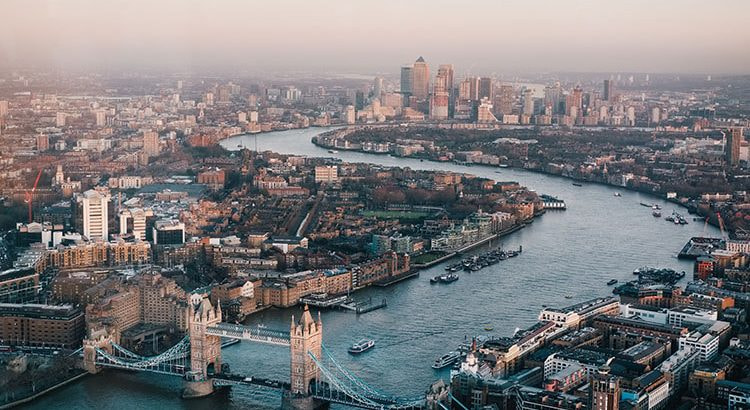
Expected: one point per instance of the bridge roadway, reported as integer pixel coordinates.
(259, 335)
(228, 379)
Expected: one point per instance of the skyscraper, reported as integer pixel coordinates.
(94, 208)
(528, 102)
(439, 98)
(377, 87)
(485, 88)
(605, 390)
(406, 83)
(608, 93)
(445, 71)
(734, 139)
(420, 79)
(504, 100)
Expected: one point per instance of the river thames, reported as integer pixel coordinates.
(568, 256)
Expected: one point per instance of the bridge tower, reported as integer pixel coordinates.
(305, 336)
(205, 350)
(96, 340)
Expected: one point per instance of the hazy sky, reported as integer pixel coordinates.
(493, 36)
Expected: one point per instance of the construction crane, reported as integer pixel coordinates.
(30, 194)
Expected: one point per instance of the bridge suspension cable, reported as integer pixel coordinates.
(357, 390)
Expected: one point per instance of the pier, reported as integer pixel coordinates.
(364, 307)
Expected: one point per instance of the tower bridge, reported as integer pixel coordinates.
(316, 378)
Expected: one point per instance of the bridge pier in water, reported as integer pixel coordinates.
(305, 339)
(205, 350)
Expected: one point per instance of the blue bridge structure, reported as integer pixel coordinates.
(316, 377)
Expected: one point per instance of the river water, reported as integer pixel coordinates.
(568, 256)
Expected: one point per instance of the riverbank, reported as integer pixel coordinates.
(660, 195)
(45, 391)
(471, 246)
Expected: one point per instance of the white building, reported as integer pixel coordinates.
(685, 314)
(95, 212)
(704, 339)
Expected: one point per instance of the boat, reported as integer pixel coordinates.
(656, 207)
(568, 296)
(435, 279)
(647, 205)
(489, 328)
(332, 151)
(657, 214)
(577, 184)
(449, 278)
(611, 282)
(362, 346)
(446, 360)
(618, 194)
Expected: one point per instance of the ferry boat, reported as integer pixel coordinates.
(446, 278)
(611, 282)
(451, 277)
(362, 346)
(446, 360)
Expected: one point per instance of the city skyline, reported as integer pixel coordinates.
(331, 36)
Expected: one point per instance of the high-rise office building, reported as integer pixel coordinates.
(377, 87)
(608, 93)
(578, 98)
(406, 83)
(604, 390)
(420, 79)
(528, 102)
(445, 72)
(485, 88)
(94, 208)
(3, 109)
(439, 105)
(734, 137)
(504, 99)
(60, 119)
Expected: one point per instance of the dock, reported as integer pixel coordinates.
(325, 302)
(364, 307)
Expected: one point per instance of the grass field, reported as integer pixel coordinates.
(427, 257)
